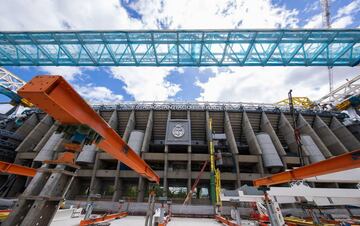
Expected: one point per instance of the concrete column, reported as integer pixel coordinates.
(254, 146)
(189, 162)
(46, 137)
(145, 148)
(344, 135)
(166, 164)
(27, 126)
(328, 137)
(305, 128)
(113, 122)
(233, 146)
(189, 171)
(267, 127)
(34, 137)
(287, 131)
(94, 183)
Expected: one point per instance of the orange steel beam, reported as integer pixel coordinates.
(56, 97)
(108, 217)
(10, 168)
(342, 162)
(225, 221)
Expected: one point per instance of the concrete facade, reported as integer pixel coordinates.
(179, 165)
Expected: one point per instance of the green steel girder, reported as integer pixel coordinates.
(334, 47)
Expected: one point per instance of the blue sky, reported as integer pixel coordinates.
(113, 85)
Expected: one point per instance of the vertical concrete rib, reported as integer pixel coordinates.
(252, 141)
(33, 138)
(328, 137)
(94, 182)
(145, 148)
(267, 127)
(166, 164)
(287, 131)
(344, 135)
(305, 128)
(113, 122)
(46, 137)
(189, 162)
(27, 126)
(233, 146)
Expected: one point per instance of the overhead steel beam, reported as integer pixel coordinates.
(261, 47)
(55, 96)
(339, 163)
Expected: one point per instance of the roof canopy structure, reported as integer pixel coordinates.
(182, 48)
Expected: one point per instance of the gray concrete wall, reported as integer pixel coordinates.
(344, 135)
(328, 137)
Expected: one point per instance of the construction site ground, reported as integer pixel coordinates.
(139, 220)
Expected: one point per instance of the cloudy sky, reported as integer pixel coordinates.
(244, 84)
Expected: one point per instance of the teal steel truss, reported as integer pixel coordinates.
(182, 48)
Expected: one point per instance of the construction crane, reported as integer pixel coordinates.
(9, 85)
(303, 102)
(42, 197)
(327, 25)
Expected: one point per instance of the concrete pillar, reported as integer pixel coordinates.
(27, 126)
(189, 170)
(233, 146)
(189, 162)
(287, 131)
(305, 128)
(252, 141)
(34, 137)
(267, 127)
(145, 148)
(94, 183)
(328, 137)
(113, 122)
(166, 164)
(344, 135)
(46, 137)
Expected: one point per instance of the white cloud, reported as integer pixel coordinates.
(69, 73)
(351, 8)
(342, 22)
(271, 85)
(314, 22)
(147, 83)
(64, 14)
(212, 14)
(98, 94)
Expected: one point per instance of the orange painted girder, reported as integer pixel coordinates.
(339, 163)
(225, 221)
(10, 168)
(102, 219)
(56, 97)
